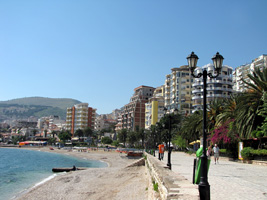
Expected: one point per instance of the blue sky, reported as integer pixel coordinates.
(99, 51)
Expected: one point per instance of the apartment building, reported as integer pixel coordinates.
(243, 71)
(80, 116)
(154, 108)
(133, 113)
(104, 122)
(178, 90)
(220, 87)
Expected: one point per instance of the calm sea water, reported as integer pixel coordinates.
(22, 169)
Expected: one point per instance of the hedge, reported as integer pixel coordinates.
(249, 153)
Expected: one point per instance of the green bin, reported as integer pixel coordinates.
(198, 164)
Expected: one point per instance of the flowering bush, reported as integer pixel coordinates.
(222, 134)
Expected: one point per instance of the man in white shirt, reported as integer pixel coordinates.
(216, 151)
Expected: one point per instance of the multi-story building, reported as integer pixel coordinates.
(243, 71)
(80, 116)
(154, 108)
(104, 122)
(220, 87)
(133, 113)
(178, 86)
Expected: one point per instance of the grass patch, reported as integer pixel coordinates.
(156, 186)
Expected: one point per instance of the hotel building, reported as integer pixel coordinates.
(178, 90)
(80, 116)
(133, 113)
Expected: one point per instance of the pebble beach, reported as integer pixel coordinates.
(115, 182)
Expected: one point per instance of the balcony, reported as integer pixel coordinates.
(219, 88)
(197, 97)
(197, 83)
(197, 91)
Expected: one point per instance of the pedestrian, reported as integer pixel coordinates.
(209, 152)
(216, 151)
(161, 151)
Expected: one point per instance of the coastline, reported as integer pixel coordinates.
(113, 182)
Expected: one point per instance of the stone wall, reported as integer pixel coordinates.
(171, 185)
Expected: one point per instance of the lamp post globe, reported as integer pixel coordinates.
(217, 61)
(192, 61)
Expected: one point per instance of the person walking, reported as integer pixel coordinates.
(216, 151)
(161, 151)
(209, 152)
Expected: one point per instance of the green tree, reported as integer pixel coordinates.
(122, 136)
(132, 138)
(54, 133)
(214, 109)
(88, 132)
(78, 133)
(192, 126)
(45, 133)
(141, 135)
(248, 118)
(64, 136)
(106, 140)
(51, 141)
(116, 143)
(180, 142)
(16, 139)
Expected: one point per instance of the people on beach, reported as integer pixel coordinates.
(216, 151)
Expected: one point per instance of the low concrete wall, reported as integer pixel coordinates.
(171, 185)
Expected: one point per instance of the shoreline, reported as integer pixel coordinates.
(115, 181)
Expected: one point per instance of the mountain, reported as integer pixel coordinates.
(23, 108)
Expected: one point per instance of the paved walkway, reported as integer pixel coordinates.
(228, 179)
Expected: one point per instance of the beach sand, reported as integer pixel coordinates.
(115, 182)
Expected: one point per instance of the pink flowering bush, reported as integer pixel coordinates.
(223, 134)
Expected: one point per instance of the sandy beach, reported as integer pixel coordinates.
(115, 182)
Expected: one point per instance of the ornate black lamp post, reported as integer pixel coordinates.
(169, 136)
(204, 187)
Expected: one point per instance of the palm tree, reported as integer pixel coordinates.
(215, 108)
(192, 126)
(229, 110)
(122, 136)
(248, 118)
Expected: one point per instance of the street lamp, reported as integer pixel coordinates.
(204, 187)
(169, 135)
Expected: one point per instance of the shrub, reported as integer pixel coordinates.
(246, 153)
(259, 152)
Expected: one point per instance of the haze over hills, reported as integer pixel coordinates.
(23, 108)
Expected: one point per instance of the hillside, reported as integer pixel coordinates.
(35, 106)
(62, 103)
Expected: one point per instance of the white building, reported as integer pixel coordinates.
(243, 71)
(220, 87)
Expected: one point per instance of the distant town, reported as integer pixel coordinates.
(145, 110)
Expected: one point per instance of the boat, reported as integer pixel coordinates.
(66, 169)
(135, 154)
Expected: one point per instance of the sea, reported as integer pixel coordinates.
(22, 169)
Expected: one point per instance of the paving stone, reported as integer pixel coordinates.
(228, 179)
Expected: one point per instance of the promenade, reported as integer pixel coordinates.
(228, 179)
